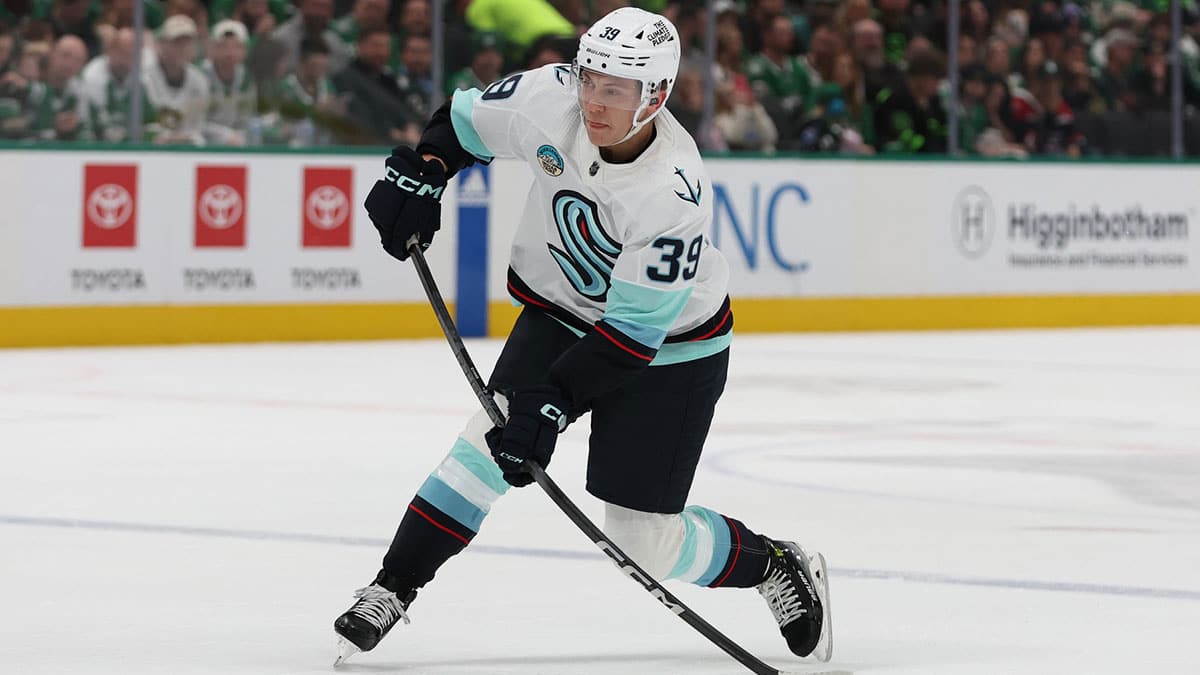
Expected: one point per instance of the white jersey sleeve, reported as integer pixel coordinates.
(495, 122)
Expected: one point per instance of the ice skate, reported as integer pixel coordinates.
(377, 609)
(797, 591)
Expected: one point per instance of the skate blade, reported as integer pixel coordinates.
(824, 648)
(346, 649)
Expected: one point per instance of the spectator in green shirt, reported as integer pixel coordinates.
(775, 74)
(486, 65)
(520, 22)
(56, 104)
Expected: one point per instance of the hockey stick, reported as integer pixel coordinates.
(629, 567)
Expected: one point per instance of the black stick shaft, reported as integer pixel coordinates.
(560, 499)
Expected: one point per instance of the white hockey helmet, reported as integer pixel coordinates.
(634, 44)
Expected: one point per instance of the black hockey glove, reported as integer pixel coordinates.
(407, 202)
(535, 418)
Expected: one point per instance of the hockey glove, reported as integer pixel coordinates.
(407, 201)
(535, 418)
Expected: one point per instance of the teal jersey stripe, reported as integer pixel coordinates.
(451, 503)
(652, 309)
(687, 553)
(720, 544)
(461, 108)
(482, 466)
(681, 352)
(678, 352)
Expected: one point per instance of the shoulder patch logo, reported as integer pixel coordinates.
(550, 159)
(692, 196)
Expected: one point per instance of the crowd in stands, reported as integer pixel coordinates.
(1036, 77)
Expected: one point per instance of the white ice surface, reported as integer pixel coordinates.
(1000, 502)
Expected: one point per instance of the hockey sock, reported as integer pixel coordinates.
(719, 551)
(444, 515)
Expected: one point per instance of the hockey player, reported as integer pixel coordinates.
(625, 317)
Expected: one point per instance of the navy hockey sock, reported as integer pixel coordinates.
(444, 515)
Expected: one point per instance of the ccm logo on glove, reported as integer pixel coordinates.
(412, 185)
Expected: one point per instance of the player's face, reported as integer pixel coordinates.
(608, 104)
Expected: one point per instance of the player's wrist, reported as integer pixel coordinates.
(430, 156)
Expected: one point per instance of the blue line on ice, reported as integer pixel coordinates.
(300, 537)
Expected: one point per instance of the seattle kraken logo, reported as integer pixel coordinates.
(692, 196)
(589, 254)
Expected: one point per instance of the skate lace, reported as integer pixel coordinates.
(781, 596)
(379, 606)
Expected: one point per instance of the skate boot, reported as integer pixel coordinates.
(797, 591)
(371, 617)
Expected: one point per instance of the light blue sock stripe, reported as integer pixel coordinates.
(482, 466)
(451, 503)
(461, 107)
(720, 544)
(687, 552)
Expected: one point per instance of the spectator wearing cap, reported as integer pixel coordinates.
(197, 11)
(56, 104)
(520, 22)
(1121, 19)
(912, 119)
(107, 90)
(1042, 121)
(374, 101)
(176, 89)
(866, 43)
(312, 20)
(778, 78)
(1114, 82)
(486, 65)
(233, 98)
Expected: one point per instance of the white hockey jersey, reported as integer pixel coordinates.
(624, 243)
